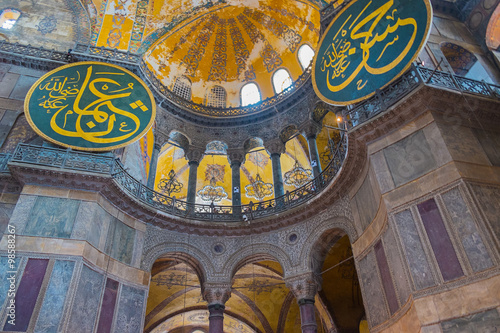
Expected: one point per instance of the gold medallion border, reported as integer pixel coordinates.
(43, 135)
(329, 101)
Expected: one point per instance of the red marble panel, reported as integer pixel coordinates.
(108, 306)
(385, 274)
(440, 240)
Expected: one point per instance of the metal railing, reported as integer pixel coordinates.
(79, 161)
(413, 78)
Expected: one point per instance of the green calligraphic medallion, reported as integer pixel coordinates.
(90, 106)
(367, 46)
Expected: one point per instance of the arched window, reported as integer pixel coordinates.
(182, 87)
(8, 18)
(306, 55)
(250, 94)
(216, 97)
(281, 80)
(464, 62)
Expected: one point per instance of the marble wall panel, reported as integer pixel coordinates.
(108, 306)
(22, 87)
(462, 144)
(5, 214)
(86, 302)
(27, 294)
(472, 242)
(409, 158)
(55, 297)
(21, 214)
(397, 266)
(487, 322)
(52, 217)
(91, 224)
(373, 295)
(120, 242)
(130, 310)
(489, 201)
(490, 141)
(441, 244)
(385, 274)
(366, 203)
(415, 256)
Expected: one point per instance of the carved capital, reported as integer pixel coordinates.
(311, 129)
(216, 293)
(304, 286)
(236, 156)
(275, 146)
(193, 154)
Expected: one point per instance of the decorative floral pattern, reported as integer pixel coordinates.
(139, 25)
(218, 70)
(196, 51)
(47, 24)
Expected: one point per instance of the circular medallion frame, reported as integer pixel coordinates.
(355, 75)
(90, 106)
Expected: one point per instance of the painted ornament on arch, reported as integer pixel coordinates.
(368, 45)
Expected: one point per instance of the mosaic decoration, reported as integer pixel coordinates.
(90, 106)
(139, 25)
(284, 12)
(259, 159)
(264, 286)
(367, 46)
(258, 189)
(174, 22)
(459, 58)
(216, 147)
(250, 74)
(47, 25)
(269, 56)
(177, 46)
(241, 52)
(218, 70)
(298, 176)
(196, 51)
(170, 184)
(97, 21)
(170, 280)
(279, 29)
(81, 20)
(115, 35)
(216, 171)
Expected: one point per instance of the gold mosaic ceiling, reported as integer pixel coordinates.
(229, 43)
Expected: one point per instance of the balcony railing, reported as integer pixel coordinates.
(413, 78)
(72, 160)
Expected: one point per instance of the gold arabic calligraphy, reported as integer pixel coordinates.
(66, 96)
(336, 61)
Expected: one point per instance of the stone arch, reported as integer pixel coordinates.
(325, 234)
(254, 253)
(252, 143)
(197, 259)
(180, 138)
(287, 132)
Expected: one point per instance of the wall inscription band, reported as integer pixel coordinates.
(367, 46)
(90, 106)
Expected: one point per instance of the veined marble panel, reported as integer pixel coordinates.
(130, 310)
(52, 217)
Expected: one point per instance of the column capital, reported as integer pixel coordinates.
(156, 146)
(311, 129)
(275, 146)
(235, 156)
(304, 287)
(193, 154)
(216, 293)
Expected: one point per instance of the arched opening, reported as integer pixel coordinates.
(175, 303)
(281, 80)
(306, 55)
(182, 87)
(340, 289)
(464, 62)
(250, 94)
(216, 96)
(9, 17)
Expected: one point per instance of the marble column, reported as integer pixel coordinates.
(236, 182)
(314, 155)
(304, 287)
(277, 176)
(193, 178)
(216, 295)
(152, 165)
